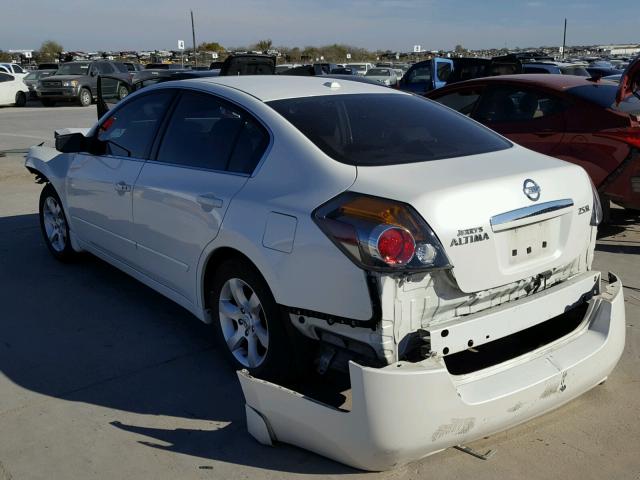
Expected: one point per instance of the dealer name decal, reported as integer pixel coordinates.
(470, 235)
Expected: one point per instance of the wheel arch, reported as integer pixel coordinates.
(213, 262)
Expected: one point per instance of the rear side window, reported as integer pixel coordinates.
(205, 132)
(104, 68)
(4, 77)
(386, 129)
(249, 148)
(514, 104)
(463, 101)
(130, 130)
(122, 68)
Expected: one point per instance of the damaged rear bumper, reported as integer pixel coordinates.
(406, 411)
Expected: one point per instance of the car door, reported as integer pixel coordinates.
(419, 78)
(206, 154)
(7, 89)
(99, 186)
(528, 116)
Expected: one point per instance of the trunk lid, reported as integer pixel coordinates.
(493, 223)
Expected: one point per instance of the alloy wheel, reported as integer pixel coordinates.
(55, 224)
(243, 323)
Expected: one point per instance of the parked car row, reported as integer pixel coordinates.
(592, 123)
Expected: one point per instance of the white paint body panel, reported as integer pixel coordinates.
(406, 411)
(8, 90)
(464, 193)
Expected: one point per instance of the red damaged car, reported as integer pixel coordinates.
(593, 123)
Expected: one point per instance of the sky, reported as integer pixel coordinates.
(90, 25)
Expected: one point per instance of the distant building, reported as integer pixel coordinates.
(628, 49)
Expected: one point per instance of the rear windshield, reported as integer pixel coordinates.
(378, 72)
(386, 129)
(604, 95)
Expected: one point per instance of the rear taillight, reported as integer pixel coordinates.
(630, 136)
(380, 234)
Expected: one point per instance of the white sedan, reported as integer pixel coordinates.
(368, 229)
(13, 91)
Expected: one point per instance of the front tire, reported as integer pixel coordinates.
(84, 97)
(21, 99)
(248, 322)
(54, 225)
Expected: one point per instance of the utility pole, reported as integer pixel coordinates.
(564, 38)
(193, 36)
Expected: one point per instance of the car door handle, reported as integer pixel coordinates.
(209, 201)
(122, 187)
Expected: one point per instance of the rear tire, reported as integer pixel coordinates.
(84, 97)
(122, 92)
(21, 99)
(54, 225)
(47, 102)
(249, 325)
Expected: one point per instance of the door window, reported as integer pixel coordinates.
(104, 68)
(130, 130)
(463, 101)
(205, 132)
(18, 69)
(444, 70)
(420, 75)
(5, 77)
(513, 104)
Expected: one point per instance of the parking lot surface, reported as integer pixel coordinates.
(101, 377)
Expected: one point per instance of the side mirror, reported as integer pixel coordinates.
(72, 143)
(93, 73)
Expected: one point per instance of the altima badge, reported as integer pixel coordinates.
(531, 189)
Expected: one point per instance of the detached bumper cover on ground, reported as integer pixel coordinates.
(406, 411)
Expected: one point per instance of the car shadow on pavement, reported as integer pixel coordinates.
(86, 332)
(620, 221)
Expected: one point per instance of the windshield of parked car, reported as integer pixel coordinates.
(604, 95)
(386, 129)
(73, 69)
(378, 72)
(360, 68)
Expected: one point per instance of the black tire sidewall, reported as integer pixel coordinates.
(21, 99)
(277, 365)
(68, 254)
(120, 90)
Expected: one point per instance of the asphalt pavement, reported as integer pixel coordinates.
(101, 377)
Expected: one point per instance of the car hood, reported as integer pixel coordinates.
(477, 207)
(62, 77)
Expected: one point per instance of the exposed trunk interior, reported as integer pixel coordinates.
(525, 341)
